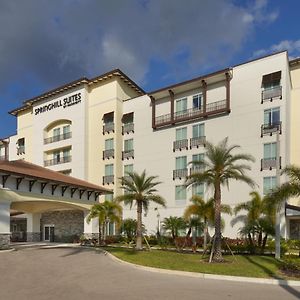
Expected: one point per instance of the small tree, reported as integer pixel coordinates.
(259, 220)
(141, 191)
(205, 211)
(129, 228)
(174, 225)
(108, 211)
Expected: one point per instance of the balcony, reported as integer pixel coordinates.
(108, 154)
(57, 138)
(192, 113)
(180, 173)
(271, 128)
(196, 169)
(127, 128)
(20, 150)
(272, 93)
(108, 179)
(108, 127)
(127, 154)
(58, 161)
(269, 163)
(181, 144)
(196, 142)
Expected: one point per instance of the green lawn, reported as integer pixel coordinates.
(240, 265)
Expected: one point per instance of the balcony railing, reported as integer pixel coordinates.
(271, 128)
(269, 163)
(57, 138)
(127, 154)
(58, 161)
(181, 144)
(197, 141)
(108, 179)
(196, 169)
(108, 154)
(272, 93)
(108, 127)
(21, 150)
(192, 113)
(127, 128)
(180, 173)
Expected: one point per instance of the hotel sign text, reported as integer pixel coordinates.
(65, 102)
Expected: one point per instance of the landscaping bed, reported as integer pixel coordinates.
(259, 266)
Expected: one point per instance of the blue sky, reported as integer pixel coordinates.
(44, 44)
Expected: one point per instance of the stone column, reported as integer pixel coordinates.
(91, 229)
(33, 227)
(4, 224)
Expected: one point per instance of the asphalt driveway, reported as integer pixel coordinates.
(75, 273)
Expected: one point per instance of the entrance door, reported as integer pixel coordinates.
(49, 233)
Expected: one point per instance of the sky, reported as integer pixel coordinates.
(45, 44)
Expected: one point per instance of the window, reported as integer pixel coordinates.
(181, 162)
(180, 192)
(56, 132)
(109, 170)
(198, 157)
(127, 118)
(269, 184)
(270, 151)
(21, 146)
(66, 129)
(128, 169)
(181, 134)
(108, 197)
(198, 130)
(108, 118)
(271, 81)
(128, 145)
(56, 156)
(272, 116)
(66, 152)
(197, 101)
(109, 144)
(181, 104)
(198, 189)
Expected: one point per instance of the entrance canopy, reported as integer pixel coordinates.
(32, 188)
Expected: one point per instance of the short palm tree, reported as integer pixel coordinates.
(174, 225)
(205, 211)
(259, 219)
(220, 166)
(107, 211)
(140, 190)
(291, 188)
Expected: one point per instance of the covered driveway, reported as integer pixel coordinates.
(32, 190)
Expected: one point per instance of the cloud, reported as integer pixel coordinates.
(47, 43)
(293, 48)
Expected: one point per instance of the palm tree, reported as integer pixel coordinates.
(174, 225)
(259, 219)
(291, 188)
(140, 190)
(204, 210)
(220, 166)
(108, 211)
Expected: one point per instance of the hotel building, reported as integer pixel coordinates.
(98, 129)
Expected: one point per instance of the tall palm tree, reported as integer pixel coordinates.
(205, 211)
(107, 211)
(174, 225)
(291, 188)
(259, 219)
(220, 166)
(140, 190)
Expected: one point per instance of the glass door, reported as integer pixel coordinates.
(49, 233)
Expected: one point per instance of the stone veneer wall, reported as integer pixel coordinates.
(68, 224)
(4, 241)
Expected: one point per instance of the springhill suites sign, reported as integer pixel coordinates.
(62, 103)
